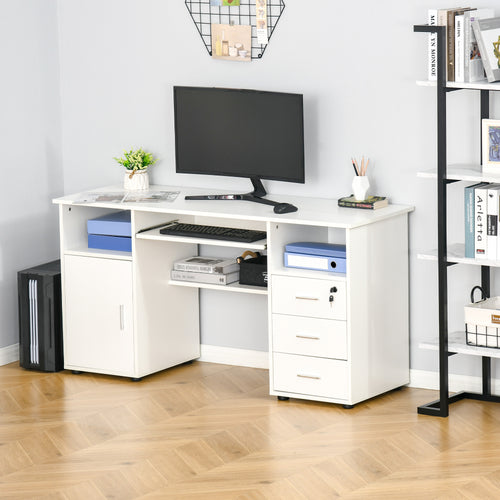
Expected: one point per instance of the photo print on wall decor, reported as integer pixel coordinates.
(491, 145)
(220, 3)
(231, 42)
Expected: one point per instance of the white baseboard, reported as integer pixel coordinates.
(231, 356)
(422, 379)
(9, 354)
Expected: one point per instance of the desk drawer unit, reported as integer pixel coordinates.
(324, 338)
(316, 298)
(311, 376)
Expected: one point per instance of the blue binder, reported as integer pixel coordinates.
(317, 256)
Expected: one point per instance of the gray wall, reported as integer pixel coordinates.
(356, 64)
(31, 147)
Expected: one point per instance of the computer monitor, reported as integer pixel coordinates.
(239, 133)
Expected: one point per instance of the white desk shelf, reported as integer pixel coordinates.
(232, 287)
(347, 313)
(154, 234)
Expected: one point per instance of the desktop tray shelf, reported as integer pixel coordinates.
(154, 234)
(233, 287)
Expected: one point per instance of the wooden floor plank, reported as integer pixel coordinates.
(204, 431)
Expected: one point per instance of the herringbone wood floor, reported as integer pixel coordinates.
(211, 432)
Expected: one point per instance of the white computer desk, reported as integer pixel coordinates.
(343, 350)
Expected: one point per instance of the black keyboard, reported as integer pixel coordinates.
(214, 232)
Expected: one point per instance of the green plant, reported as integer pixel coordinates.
(136, 159)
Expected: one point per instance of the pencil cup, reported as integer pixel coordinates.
(360, 186)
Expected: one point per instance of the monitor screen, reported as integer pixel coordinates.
(241, 133)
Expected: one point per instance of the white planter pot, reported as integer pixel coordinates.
(136, 181)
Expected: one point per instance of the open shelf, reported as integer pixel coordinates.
(96, 252)
(464, 172)
(480, 85)
(233, 287)
(457, 344)
(154, 234)
(456, 254)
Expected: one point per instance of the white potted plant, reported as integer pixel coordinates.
(136, 163)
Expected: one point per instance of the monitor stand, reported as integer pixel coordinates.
(256, 196)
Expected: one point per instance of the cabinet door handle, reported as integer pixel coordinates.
(310, 337)
(314, 377)
(122, 317)
(298, 297)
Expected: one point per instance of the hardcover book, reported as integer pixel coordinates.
(469, 219)
(487, 32)
(432, 46)
(480, 233)
(210, 265)
(450, 39)
(213, 279)
(473, 66)
(492, 221)
(372, 202)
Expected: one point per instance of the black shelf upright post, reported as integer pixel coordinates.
(440, 407)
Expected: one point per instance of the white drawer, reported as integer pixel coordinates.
(309, 297)
(325, 338)
(310, 376)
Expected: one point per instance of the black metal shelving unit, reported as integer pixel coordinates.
(440, 407)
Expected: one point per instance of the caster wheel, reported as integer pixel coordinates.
(283, 398)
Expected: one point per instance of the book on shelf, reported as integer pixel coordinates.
(473, 65)
(206, 278)
(480, 208)
(492, 221)
(372, 202)
(432, 46)
(450, 40)
(469, 213)
(213, 265)
(459, 47)
(487, 33)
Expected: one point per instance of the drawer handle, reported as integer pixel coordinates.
(306, 298)
(314, 377)
(122, 318)
(310, 337)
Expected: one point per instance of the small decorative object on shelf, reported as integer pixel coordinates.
(372, 202)
(360, 183)
(136, 163)
(487, 33)
(482, 321)
(491, 145)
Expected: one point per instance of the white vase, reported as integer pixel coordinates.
(360, 186)
(136, 181)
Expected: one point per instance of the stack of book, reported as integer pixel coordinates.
(481, 221)
(371, 203)
(465, 49)
(211, 270)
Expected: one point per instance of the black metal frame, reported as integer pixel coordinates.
(204, 15)
(440, 407)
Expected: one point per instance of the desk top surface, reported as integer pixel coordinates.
(311, 211)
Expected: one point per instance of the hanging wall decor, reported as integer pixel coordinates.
(260, 16)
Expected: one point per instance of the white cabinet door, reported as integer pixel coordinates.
(98, 331)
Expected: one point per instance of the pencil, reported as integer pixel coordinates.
(354, 167)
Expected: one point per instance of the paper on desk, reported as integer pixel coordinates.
(130, 197)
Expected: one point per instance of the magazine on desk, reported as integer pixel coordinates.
(129, 197)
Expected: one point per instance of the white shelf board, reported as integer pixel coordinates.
(456, 253)
(233, 287)
(154, 234)
(472, 173)
(480, 85)
(96, 252)
(457, 344)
